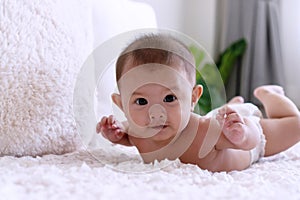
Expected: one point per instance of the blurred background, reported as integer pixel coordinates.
(270, 27)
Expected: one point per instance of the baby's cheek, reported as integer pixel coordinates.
(174, 116)
(139, 117)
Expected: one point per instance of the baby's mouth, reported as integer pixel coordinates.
(158, 127)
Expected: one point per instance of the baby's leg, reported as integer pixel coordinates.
(282, 125)
(275, 103)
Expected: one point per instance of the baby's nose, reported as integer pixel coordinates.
(158, 112)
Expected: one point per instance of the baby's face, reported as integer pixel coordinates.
(156, 101)
(157, 109)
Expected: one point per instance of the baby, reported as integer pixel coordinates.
(156, 81)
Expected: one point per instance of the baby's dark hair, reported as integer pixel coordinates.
(156, 48)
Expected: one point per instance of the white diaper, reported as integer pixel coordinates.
(259, 150)
(255, 114)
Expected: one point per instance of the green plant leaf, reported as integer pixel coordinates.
(229, 57)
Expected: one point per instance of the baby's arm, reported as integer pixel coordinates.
(113, 130)
(242, 132)
(227, 160)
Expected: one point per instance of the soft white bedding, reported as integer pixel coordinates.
(83, 174)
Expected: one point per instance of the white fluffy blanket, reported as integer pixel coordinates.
(97, 175)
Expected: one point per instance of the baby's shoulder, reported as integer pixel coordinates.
(202, 121)
(201, 125)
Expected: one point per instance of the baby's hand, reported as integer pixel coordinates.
(233, 125)
(111, 129)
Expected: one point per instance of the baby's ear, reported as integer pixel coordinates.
(117, 100)
(197, 93)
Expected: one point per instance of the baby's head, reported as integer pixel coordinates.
(157, 48)
(156, 80)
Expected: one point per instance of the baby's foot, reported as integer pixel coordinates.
(265, 90)
(237, 99)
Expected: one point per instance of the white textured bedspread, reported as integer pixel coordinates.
(81, 175)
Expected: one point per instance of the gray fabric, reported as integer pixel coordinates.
(258, 22)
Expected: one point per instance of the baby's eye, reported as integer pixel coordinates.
(170, 98)
(141, 101)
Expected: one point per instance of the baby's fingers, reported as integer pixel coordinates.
(234, 118)
(222, 115)
(101, 124)
(105, 124)
(226, 110)
(98, 127)
(112, 122)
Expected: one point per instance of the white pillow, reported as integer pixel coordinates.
(41, 53)
(43, 46)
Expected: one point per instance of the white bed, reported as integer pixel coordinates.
(79, 175)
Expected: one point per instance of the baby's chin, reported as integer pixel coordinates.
(164, 136)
